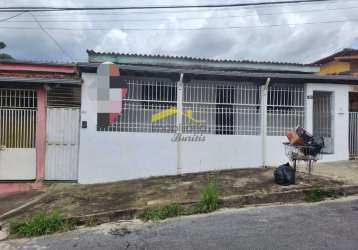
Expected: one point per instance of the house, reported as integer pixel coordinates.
(342, 62)
(345, 62)
(36, 99)
(126, 116)
(144, 115)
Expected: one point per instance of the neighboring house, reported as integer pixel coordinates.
(35, 101)
(342, 62)
(162, 115)
(345, 62)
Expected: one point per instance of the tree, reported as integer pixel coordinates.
(4, 55)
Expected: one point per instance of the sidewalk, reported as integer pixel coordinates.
(12, 201)
(346, 171)
(236, 188)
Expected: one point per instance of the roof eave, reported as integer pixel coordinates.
(36, 80)
(197, 63)
(303, 78)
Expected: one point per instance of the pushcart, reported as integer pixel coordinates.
(306, 153)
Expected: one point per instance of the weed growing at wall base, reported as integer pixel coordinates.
(168, 211)
(41, 224)
(314, 195)
(209, 202)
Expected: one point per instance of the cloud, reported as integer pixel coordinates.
(255, 37)
(113, 40)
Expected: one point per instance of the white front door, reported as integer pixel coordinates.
(18, 109)
(62, 141)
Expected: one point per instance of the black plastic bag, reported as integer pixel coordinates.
(306, 137)
(316, 145)
(284, 175)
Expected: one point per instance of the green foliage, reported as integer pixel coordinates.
(209, 201)
(314, 195)
(168, 211)
(41, 224)
(3, 55)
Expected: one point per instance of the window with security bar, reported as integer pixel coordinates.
(18, 109)
(285, 108)
(63, 96)
(150, 106)
(222, 108)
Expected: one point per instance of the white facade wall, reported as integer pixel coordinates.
(113, 156)
(340, 105)
(275, 151)
(221, 152)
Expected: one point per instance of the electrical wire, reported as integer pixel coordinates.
(51, 37)
(213, 6)
(187, 11)
(182, 19)
(11, 17)
(183, 29)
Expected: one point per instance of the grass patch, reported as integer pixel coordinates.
(40, 224)
(314, 195)
(92, 222)
(209, 201)
(161, 213)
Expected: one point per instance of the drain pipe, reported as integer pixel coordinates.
(179, 123)
(264, 93)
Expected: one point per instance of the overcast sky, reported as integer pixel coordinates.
(260, 33)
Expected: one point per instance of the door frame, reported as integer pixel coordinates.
(331, 110)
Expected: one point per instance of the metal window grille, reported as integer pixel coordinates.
(64, 96)
(18, 98)
(225, 108)
(285, 108)
(149, 107)
(18, 117)
(322, 118)
(209, 107)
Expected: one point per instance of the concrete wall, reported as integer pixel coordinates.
(114, 156)
(13, 167)
(221, 152)
(275, 151)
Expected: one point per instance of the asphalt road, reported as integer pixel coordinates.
(327, 225)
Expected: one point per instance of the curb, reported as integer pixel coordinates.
(228, 202)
